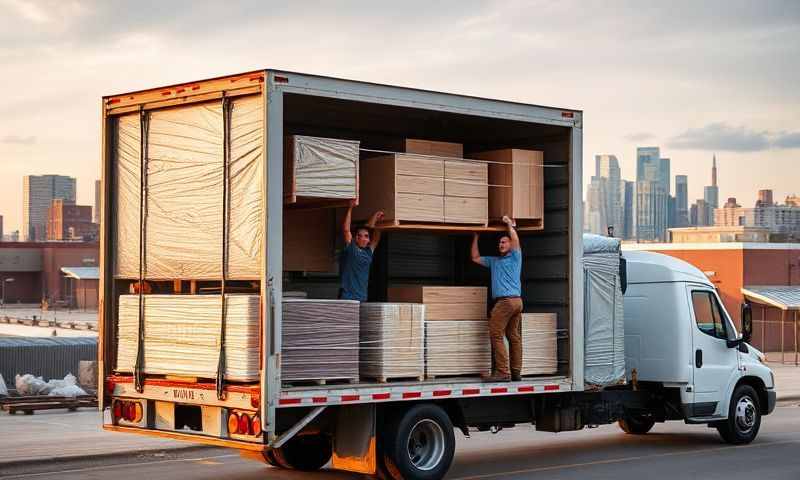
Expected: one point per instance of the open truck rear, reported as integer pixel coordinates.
(156, 223)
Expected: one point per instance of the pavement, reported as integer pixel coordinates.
(77, 436)
(671, 450)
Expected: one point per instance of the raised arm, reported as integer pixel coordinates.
(347, 235)
(376, 234)
(475, 253)
(512, 233)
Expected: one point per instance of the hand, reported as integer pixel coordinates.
(353, 202)
(508, 221)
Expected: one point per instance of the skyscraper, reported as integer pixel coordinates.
(664, 175)
(627, 222)
(711, 193)
(39, 191)
(682, 200)
(96, 209)
(764, 198)
(607, 167)
(647, 156)
(652, 195)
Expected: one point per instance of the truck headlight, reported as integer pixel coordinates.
(761, 357)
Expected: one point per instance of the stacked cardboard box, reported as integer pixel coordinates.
(539, 338)
(320, 340)
(392, 341)
(182, 335)
(456, 331)
(425, 185)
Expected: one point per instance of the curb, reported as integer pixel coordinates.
(18, 464)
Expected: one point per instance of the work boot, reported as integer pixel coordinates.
(497, 377)
(516, 376)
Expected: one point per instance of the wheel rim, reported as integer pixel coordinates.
(746, 414)
(426, 444)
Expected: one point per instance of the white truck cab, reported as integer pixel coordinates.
(679, 336)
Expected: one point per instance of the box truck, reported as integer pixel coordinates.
(206, 226)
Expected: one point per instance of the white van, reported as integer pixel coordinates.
(678, 334)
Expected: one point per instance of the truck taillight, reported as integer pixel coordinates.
(233, 423)
(244, 424)
(255, 425)
(130, 411)
(117, 410)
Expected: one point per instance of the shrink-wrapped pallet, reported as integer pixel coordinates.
(457, 347)
(539, 337)
(182, 335)
(604, 322)
(392, 341)
(320, 168)
(320, 340)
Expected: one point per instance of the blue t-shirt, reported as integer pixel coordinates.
(354, 265)
(506, 273)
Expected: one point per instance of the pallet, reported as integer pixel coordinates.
(319, 381)
(407, 378)
(464, 376)
(29, 404)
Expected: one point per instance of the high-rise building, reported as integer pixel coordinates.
(792, 201)
(672, 213)
(39, 191)
(607, 167)
(711, 193)
(597, 214)
(1, 228)
(702, 214)
(67, 221)
(779, 219)
(96, 209)
(648, 156)
(682, 200)
(628, 224)
(764, 198)
(664, 175)
(651, 212)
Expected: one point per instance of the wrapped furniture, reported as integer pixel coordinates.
(182, 335)
(319, 340)
(392, 339)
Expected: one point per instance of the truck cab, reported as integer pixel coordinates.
(680, 338)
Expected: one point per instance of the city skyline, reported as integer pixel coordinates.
(695, 78)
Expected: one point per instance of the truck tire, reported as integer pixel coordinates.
(418, 443)
(306, 453)
(636, 424)
(744, 417)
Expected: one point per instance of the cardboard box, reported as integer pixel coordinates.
(444, 303)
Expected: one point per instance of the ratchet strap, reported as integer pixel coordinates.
(144, 124)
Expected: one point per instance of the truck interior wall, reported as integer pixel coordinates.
(434, 258)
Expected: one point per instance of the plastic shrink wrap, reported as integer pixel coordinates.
(392, 341)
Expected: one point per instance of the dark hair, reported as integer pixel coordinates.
(505, 235)
(365, 228)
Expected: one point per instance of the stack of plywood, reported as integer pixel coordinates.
(517, 177)
(539, 335)
(456, 330)
(320, 340)
(392, 341)
(426, 184)
(318, 168)
(182, 335)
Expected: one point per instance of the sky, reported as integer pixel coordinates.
(695, 78)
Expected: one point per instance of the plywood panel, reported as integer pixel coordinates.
(457, 348)
(430, 147)
(392, 340)
(464, 188)
(376, 187)
(437, 294)
(424, 167)
(424, 185)
(466, 210)
(416, 207)
(466, 170)
(539, 344)
(455, 311)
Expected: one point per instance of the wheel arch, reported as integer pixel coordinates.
(760, 388)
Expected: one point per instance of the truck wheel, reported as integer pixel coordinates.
(306, 453)
(269, 457)
(636, 424)
(419, 443)
(744, 417)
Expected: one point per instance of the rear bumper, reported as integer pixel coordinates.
(772, 398)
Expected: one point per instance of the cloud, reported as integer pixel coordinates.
(639, 136)
(17, 140)
(724, 137)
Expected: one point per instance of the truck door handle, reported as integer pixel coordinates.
(698, 358)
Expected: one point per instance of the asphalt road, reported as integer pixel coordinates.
(671, 451)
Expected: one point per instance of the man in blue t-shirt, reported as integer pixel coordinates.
(506, 316)
(356, 257)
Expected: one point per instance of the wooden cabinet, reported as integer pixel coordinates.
(411, 189)
(517, 186)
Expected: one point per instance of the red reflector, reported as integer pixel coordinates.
(441, 393)
(257, 78)
(350, 398)
(256, 426)
(499, 390)
(567, 115)
(110, 387)
(381, 396)
(180, 90)
(113, 100)
(550, 388)
(233, 423)
(166, 92)
(471, 391)
(244, 424)
(281, 79)
(290, 401)
(412, 394)
(319, 399)
(255, 401)
(130, 411)
(525, 389)
(117, 410)
(195, 87)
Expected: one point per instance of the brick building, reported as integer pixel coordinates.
(735, 268)
(66, 221)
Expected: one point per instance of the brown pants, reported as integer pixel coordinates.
(504, 321)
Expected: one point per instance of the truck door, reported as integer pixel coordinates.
(714, 363)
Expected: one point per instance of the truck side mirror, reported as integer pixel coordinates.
(747, 322)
